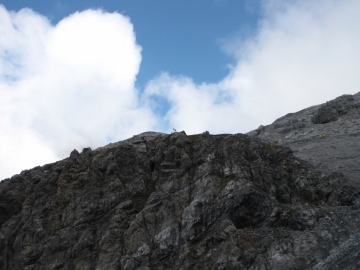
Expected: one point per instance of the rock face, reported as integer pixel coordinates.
(326, 135)
(204, 201)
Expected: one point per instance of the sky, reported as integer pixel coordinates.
(77, 74)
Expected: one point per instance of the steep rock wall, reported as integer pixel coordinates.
(180, 202)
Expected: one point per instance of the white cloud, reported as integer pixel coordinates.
(194, 108)
(304, 53)
(66, 86)
(71, 85)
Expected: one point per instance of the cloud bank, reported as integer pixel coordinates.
(304, 53)
(66, 86)
(71, 85)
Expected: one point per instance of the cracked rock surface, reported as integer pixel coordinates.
(203, 201)
(327, 135)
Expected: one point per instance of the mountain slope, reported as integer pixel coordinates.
(327, 135)
(204, 201)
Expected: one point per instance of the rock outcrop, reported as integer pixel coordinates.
(159, 201)
(326, 135)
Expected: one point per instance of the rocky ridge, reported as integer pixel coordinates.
(326, 135)
(171, 201)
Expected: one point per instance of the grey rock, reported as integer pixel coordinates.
(326, 135)
(159, 201)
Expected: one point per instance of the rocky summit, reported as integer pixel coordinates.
(285, 196)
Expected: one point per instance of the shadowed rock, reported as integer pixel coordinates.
(159, 201)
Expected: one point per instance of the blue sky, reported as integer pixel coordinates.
(180, 37)
(79, 74)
